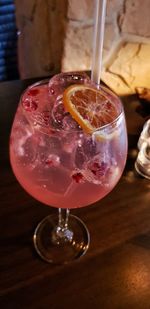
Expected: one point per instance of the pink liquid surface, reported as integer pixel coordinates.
(54, 160)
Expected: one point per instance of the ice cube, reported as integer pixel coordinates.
(22, 135)
(57, 85)
(61, 119)
(95, 170)
(80, 157)
(58, 113)
(61, 81)
(69, 123)
(69, 141)
(91, 177)
(89, 147)
(41, 118)
(113, 176)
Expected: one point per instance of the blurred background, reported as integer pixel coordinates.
(8, 41)
(42, 37)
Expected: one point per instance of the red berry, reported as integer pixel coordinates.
(30, 105)
(78, 177)
(46, 117)
(49, 162)
(98, 169)
(33, 92)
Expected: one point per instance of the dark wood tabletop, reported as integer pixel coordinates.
(114, 273)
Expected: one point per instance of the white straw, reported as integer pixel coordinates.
(99, 26)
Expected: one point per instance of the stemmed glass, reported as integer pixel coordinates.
(61, 165)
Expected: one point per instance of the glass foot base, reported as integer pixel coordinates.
(53, 246)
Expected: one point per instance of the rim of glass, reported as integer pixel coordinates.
(110, 124)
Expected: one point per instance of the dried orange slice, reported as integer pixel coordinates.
(90, 107)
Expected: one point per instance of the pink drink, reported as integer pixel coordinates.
(53, 159)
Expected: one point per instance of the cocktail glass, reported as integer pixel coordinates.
(61, 165)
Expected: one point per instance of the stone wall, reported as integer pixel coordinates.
(58, 34)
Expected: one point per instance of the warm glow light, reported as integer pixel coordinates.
(137, 276)
(130, 176)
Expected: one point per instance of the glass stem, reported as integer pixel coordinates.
(61, 233)
(63, 218)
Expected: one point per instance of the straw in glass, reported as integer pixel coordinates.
(99, 19)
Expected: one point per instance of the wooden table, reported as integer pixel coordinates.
(114, 273)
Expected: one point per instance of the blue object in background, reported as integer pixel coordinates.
(8, 41)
